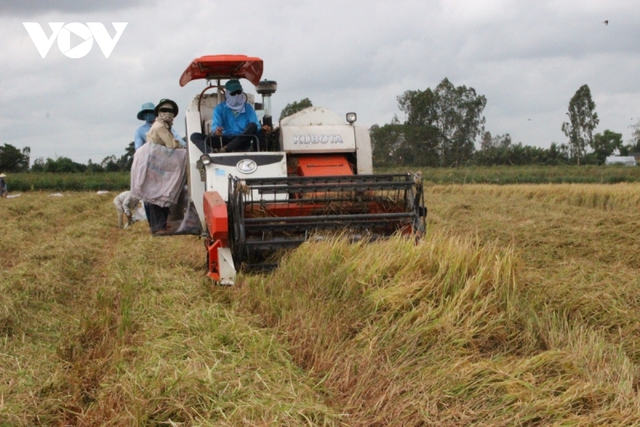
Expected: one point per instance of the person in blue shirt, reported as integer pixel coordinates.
(147, 113)
(234, 125)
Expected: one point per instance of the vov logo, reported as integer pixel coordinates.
(89, 32)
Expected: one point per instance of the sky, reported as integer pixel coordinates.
(528, 58)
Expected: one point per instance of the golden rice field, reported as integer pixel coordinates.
(521, 307)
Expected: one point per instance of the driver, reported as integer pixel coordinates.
(235, 124)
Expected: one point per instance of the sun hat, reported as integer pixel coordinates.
(166, 101)
(232, 86)
(2, 175)
(147, 107)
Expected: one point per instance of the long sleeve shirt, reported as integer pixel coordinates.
(232, 122)
(160, 134)
(126, 202)
(140, 136)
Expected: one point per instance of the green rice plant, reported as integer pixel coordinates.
(60, 182)
(533, 174)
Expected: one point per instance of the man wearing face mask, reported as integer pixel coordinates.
(147, 113)
(235, 124)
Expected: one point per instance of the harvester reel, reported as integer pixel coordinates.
(265, 219)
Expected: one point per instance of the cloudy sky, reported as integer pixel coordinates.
(528, 58)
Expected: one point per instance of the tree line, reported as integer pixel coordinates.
(442, 127)
(14, 160)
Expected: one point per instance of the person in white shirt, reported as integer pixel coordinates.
(3, 185)
(125, 203)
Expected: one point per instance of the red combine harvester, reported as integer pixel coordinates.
(313, 175)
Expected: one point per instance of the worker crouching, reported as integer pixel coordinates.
(125, 204)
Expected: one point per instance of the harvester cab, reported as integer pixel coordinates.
(312, 174)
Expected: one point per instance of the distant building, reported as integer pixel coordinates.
(621, 160)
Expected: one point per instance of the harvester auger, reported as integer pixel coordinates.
(367, 206)
(312, 177)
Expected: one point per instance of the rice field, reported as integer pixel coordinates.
(520, 307)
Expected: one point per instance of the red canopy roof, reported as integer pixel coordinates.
(213, 67)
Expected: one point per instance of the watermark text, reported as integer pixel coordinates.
(86, 32)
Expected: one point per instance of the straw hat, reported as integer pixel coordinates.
(2, 175)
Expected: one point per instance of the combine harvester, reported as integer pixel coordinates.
(312, 175)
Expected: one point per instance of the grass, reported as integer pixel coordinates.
(382, 327)
(56, 182)
(445, 332)
(103, 326)
(518, 308)
(534, 174)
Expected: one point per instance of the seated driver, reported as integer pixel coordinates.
(235, 124)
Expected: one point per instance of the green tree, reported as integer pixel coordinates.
(583, 120)
(94, 167)
(605, 144)
(388, 144)
(418, 106)
(633, 146)
(38, 165)
(499, 150)
(558, 154)
(14, 160)
(126, 160)
(59, 165)
(294, 107)
(495, 150)
(421, 146)
(110, 164)
(486, 141)
(454, 115)
(421, 137)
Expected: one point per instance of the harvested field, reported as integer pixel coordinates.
(521, 307)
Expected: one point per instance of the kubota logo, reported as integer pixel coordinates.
(247, 166)
(87, 33)
(317, 139)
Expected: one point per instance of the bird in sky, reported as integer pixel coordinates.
(606, 22)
